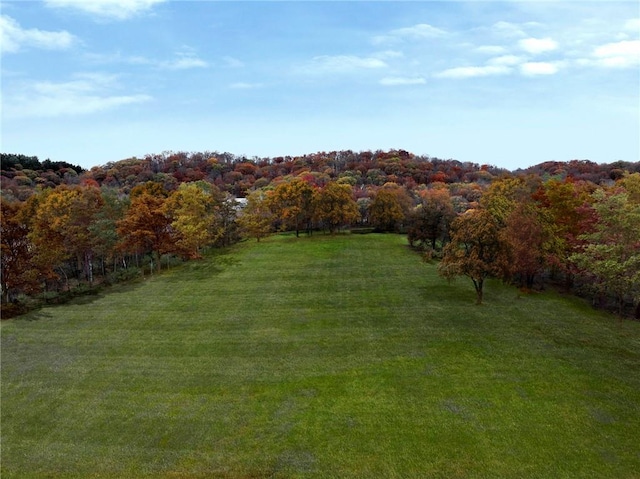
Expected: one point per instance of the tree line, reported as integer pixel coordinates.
(119, 220)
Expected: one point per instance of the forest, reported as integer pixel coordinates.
(569, 225)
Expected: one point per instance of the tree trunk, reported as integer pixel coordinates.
(478, 284)
(530, 280)
(637, 315)
(159, 260)
(5, 294)
(88, 267)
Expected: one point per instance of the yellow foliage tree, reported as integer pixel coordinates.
(334, 206)
(191, 211)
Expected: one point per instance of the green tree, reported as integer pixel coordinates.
(104, 226)
(475, 250)
(226, 209)
(612, 250)
(256, 218)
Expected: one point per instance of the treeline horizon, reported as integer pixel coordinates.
(239, 174)
(571, 224)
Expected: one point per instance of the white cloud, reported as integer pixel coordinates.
(420, 31)
(471, 72)
(620, 54)
(539, 68)
(388, 54)
(402, 81)
(87, 93)
(632, 24)
(491, 49)
(537, 45)
(184, 61)
(13, 37)
(342, 64)
(115, 9)
(508, 60)
(507, 29)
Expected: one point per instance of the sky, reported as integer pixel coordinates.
(510, 84)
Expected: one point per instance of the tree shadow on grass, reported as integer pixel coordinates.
(35, 309)
(37, 315)
(203, 269)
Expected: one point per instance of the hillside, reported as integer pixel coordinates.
(322, 356)
(239, 175)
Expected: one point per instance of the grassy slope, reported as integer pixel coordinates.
(319, 357)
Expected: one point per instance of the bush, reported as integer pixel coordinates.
(123, 275)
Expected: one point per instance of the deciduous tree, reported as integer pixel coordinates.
(145, 227)
(429, 222)
(18, 273)
(505, 194)
(389, 209)
(192, 215)
(256, 218)
(475, 250)
(292, 203)
(334, 206)
(612, 251)
(567, 205)
(530, 241)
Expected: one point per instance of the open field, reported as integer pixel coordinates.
(322, 357)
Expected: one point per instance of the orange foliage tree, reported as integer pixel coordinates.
(476, 249)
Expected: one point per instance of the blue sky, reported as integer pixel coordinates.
(510, 84)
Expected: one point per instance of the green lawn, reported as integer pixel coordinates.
(323, 357)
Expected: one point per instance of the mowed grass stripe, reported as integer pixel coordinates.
(327, 356)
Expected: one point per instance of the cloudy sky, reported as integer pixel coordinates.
(510, 83)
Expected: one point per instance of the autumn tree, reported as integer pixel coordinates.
(226, 215)
(104, 226)
(191, 211)
(429, 222)
(475, 249)
(81, 239)
(390, 207)
(611, 254)
(18, 273)
(631, 184)
(146, 228)
(566, 203)
(49, 218)
(291, 202)
(530, 241)
(504, 194)
(61, 230)
(334, 206)
(256, 218)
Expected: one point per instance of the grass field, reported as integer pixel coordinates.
(322, 357)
